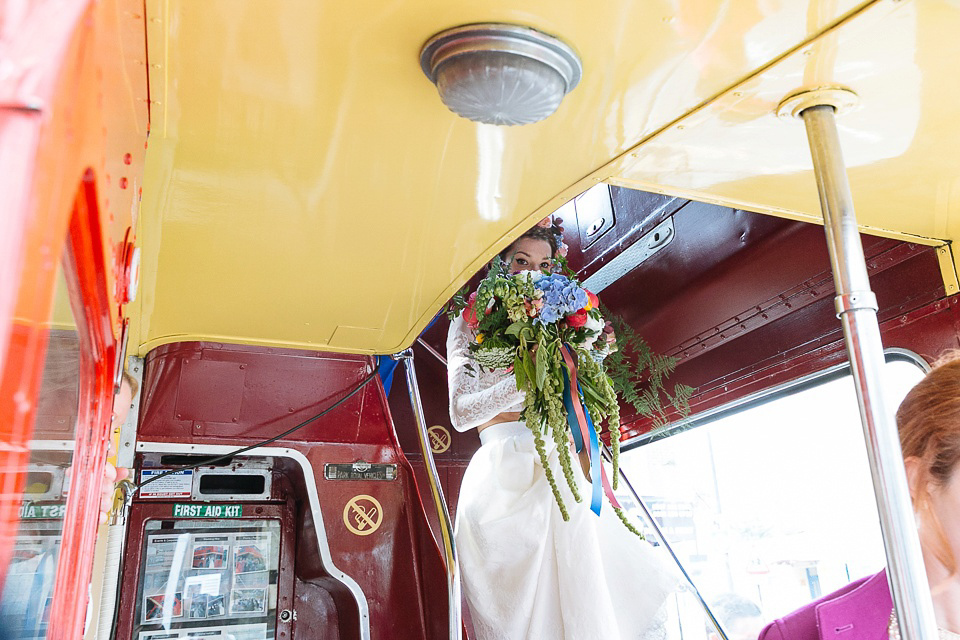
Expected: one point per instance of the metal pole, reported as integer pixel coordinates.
(446, 528)
(856, 307)
(666, 544)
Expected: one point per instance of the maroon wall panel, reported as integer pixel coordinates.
(743, 300)
(205, 393)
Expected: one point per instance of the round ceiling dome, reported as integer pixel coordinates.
(500, 73)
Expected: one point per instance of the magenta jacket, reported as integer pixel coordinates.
(858, 611)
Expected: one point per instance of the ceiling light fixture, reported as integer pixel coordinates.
(500, 73)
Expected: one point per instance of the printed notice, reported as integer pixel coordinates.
(176, 485)
(225, 632)
(206, 581)
(163, 549)
(210, 552)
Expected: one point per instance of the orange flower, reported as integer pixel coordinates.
(592, 301)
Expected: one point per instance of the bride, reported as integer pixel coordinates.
(526, 572)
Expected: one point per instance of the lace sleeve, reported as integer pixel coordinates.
(478, 398)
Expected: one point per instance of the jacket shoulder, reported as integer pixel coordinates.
(803, 624)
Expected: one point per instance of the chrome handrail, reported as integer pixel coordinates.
(666, 544)
(446, 528)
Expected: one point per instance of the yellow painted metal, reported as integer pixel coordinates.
(62, 314)
(948, 269)
(899, 143)
(305, 187)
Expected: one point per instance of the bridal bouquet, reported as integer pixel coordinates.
(549, 331)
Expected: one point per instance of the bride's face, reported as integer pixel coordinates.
(530, 254)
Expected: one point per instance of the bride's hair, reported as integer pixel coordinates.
(550, 235)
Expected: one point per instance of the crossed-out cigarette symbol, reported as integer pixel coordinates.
(439, 439)
(363, 515)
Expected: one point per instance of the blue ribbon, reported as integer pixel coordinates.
(571, 415)
(596, 500)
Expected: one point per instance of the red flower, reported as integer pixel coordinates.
(577, 319)
(470, 312)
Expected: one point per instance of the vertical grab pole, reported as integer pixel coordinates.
(446, 528)
(857, 307)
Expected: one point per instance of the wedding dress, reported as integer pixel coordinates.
(526, 573)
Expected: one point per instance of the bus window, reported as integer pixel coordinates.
(28, 591)
(771, 506)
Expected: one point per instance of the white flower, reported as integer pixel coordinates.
(594, 327)
(593, 324)
(532, 276)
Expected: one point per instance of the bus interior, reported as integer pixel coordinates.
(259, 211)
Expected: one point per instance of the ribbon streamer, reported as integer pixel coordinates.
(584, 431)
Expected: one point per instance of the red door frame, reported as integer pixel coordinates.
(84, 266)
(66, 147)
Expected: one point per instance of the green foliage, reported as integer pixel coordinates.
(638, 376)
(458, 302)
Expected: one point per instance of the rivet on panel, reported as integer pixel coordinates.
(127, 158)
(196, 426)
(123, 183)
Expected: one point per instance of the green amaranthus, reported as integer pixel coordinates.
(524, 321)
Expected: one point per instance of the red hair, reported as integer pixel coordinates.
(929, 424)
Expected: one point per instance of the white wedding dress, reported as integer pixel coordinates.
(526, 573)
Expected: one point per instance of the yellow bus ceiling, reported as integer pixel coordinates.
(305, 187)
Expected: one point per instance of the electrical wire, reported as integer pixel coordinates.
(209, 461)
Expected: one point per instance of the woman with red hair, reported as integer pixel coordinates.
(929, 424)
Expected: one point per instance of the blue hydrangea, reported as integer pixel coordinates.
(561, 297)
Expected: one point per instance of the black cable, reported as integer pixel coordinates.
(209, 461)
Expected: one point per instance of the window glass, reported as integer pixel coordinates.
(28, 590)
(208, 579)
(770, 507)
